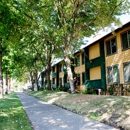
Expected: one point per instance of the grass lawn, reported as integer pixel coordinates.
(111, 110)
(12, 114)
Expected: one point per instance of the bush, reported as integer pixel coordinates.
(89, 90)
(111, 90)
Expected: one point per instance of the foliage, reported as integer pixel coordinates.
(35, 32)
(128, 89)
(95, 116)
(71, 21)
(111, 89)
(89, 90)
(12, 22)
(12, 114)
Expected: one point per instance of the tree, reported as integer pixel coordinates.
(65, 23)
(5, 25)
(26, 63)
(34, 38)
(71, 21)
(57, 26)
(11, 21)
(1, 78)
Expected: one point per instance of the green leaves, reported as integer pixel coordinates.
(43, 29)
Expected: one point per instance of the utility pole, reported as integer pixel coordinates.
(1, 77)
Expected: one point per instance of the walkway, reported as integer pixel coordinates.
(44, 116)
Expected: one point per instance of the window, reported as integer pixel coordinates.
(53, 81)
(77, 60)
(53, 69)
(125, 37)
(44, 77)
(83, 78)
(111, 46)
(78, 79)
(60, 68)
(126, 69)
(113, 74)
(60, 81)
(83, 58)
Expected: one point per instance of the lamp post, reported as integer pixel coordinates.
(1, 77)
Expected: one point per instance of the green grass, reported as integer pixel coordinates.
(12, 114)
(112, 110)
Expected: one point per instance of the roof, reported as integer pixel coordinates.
(56, 61)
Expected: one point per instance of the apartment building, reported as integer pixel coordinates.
(104, 64)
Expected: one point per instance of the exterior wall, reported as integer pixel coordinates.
(55, 72)
(94, 51)
(61, 75)
(53, 77)
(95, 66)
(120, 57)
(95, 73)
(79, 70)
(82, 86)
(50, 77)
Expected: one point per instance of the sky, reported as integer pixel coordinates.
(125, 18)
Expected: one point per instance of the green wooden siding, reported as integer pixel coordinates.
(103, 71)
(96, 84)
(99, 61)
(93, 63)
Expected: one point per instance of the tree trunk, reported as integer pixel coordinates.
(36, 80)
(48, 79)
(1, 77)
(7, 87)
(70, 75)
(49, 58)
(31, 75)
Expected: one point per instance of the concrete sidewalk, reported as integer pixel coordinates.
(44, 116)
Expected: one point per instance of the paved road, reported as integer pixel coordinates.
(44, 116)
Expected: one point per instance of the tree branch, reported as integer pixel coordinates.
(116, 7)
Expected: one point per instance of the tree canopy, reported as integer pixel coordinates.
(36, 30)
